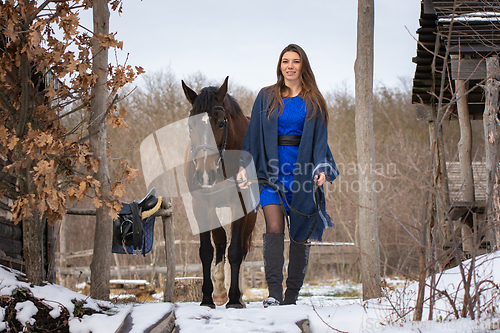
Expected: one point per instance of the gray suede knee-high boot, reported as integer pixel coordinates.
(273, 265)
(297, 267)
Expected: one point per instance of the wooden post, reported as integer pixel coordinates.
(491, 143)
(51, 253)
(365, 148)
(118, 266)
(154, 258)
(62, 250)
(464, 155)
(168, 232)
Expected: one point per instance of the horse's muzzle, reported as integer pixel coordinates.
(205, 178)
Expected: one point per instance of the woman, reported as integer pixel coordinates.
(287, 139)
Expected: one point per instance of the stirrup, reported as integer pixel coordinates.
(270, 301)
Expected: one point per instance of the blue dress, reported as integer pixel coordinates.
(290, 122)
(314, 157)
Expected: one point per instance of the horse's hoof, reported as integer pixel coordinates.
(220, 299)
(210, 305)
(236, 306)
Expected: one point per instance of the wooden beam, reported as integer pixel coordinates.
(13, 263)
(460, 208)
(91, 212)
(423, 110)
(474, 49)
(78, 254)
(428, 7)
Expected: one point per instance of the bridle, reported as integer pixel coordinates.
(220, 150)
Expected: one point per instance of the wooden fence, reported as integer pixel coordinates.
(168, 232)
(324, 254)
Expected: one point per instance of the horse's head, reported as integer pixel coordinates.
(208, 132)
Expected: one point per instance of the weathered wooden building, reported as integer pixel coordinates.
(11, 235)
(457, 77)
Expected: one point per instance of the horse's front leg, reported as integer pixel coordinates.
(220, 241)
(206, 256)
(235, 256)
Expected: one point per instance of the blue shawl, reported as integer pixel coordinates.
(261, 141)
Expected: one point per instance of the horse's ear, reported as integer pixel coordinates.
(221, 93)
(190, 94)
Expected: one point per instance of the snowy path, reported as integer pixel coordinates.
(23, 306)
(190, 318)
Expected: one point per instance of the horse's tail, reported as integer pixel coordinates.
(247, 232)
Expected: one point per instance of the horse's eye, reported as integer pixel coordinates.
(221, 124)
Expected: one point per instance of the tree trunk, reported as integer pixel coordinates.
(101, 260)
(465, 143)
(368, 233)
(32, 226)
(440, 185)
(32, 248)
(465, 158)
(422, 258)
(439, 195)
(491, 143)
(168, 232)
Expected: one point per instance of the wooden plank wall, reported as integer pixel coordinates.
(455, 185)
(11, 235)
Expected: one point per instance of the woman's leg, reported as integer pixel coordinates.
(273, 247)
(275, 221)
(297, 266)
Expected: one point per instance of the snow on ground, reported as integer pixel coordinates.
(327, 307)
(109, 316)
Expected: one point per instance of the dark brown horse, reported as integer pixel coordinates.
(206, 165)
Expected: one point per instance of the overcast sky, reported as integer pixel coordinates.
(243, 39)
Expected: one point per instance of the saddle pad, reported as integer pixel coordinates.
(148, 226)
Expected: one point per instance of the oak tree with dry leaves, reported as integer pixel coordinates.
(47, 76)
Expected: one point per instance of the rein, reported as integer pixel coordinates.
(318, 198)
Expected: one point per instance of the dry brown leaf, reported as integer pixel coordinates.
(115, 207)
(97, 202)
(82, 189)
(118, 190)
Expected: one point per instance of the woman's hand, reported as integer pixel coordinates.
(320, 178)
(242, 178)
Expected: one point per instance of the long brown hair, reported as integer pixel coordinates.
(310, 91)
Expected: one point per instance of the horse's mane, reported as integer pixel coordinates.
(205, 102)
